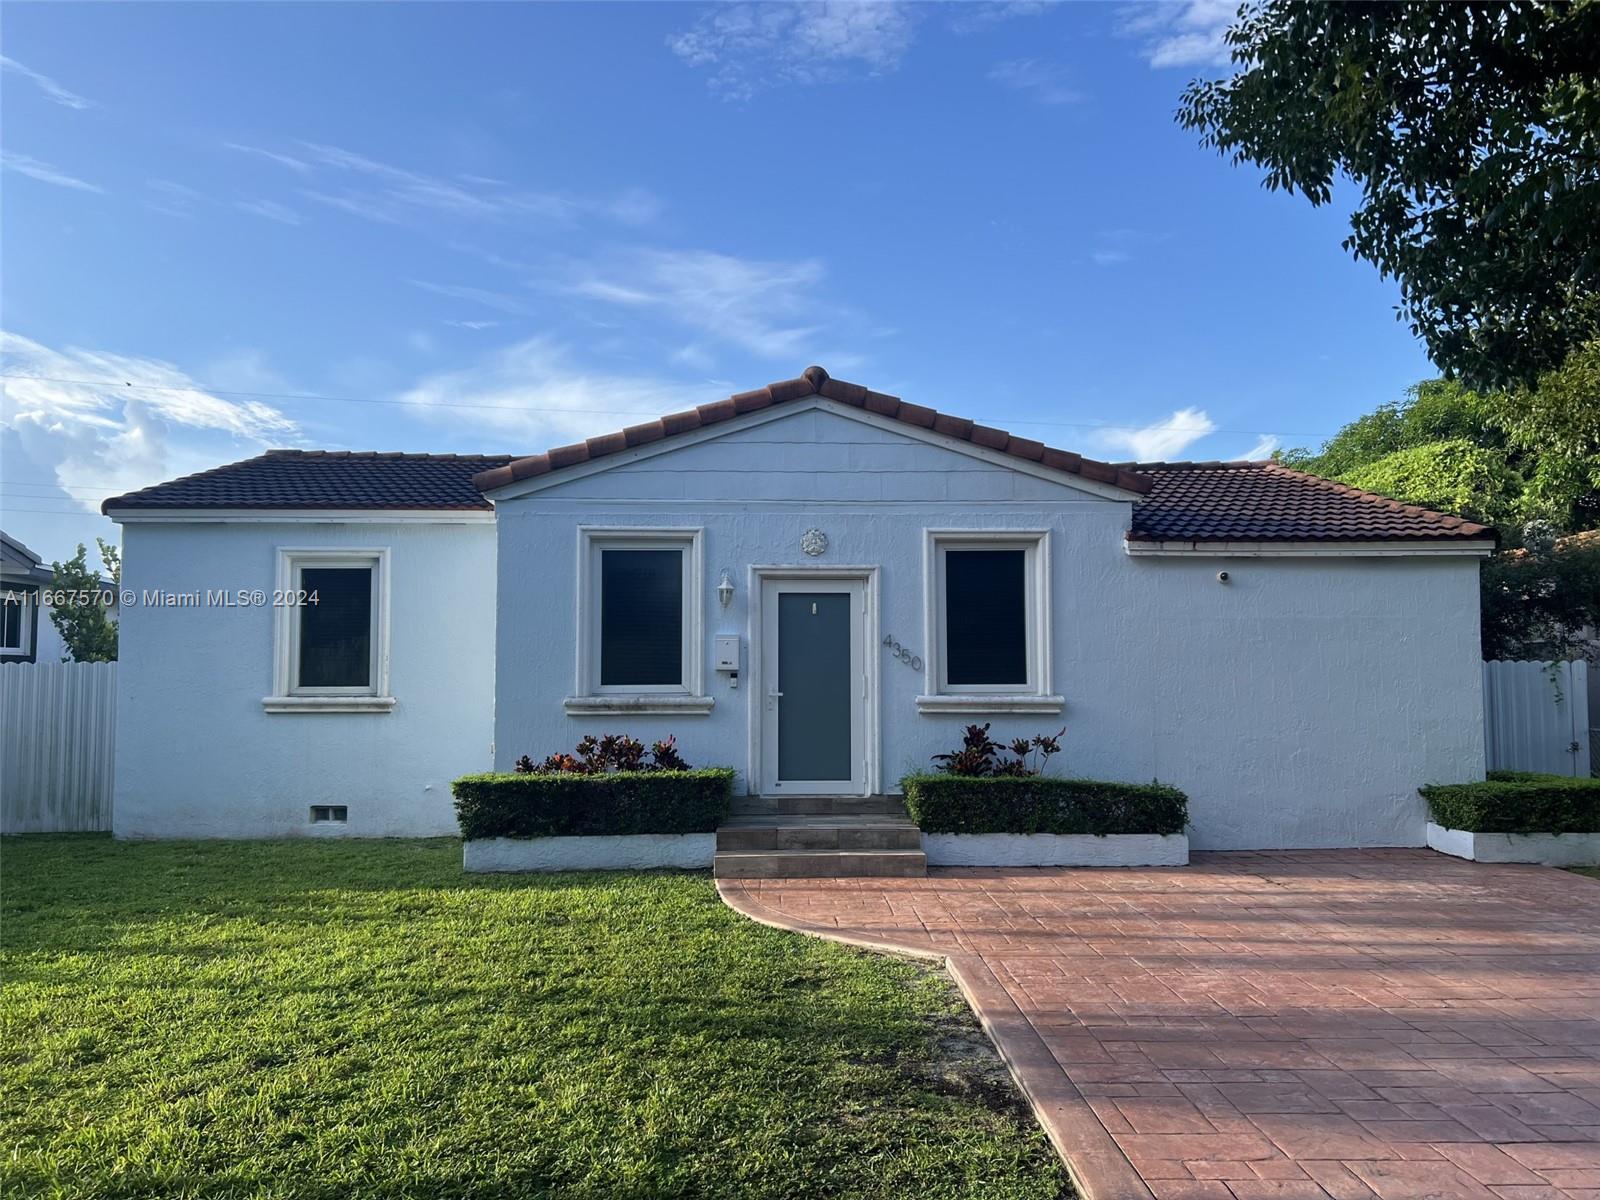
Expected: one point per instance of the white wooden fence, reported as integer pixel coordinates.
(58, 725)
(1536, 717)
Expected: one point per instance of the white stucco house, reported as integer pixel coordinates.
(814, 583)
(27, 634)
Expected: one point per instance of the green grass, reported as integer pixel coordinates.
(360, 1019)
(1592, 872)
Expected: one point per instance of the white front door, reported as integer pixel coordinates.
(813, 672)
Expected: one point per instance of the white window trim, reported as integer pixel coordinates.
(287, 696)
(589, 696)
(28, 625)
(1037, 694)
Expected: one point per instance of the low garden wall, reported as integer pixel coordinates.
(613, 821)
(1040, 821)
(1517, 817)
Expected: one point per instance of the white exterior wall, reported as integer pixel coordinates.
(196, 754)
(1299, 705)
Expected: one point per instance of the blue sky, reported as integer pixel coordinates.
(502, 227)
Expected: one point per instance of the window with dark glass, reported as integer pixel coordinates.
(986, 618)
(641, 618)
(14, 630)
(336, 627)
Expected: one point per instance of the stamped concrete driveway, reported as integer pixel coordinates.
(1347, 1024)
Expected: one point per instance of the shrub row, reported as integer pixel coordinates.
(623, 802)
(1036, 804)
(1517, 802)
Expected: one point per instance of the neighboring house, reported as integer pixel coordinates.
(814, 583)
(26, 632)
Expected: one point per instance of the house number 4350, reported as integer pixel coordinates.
(896, 650)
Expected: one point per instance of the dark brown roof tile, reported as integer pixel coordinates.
(852, 394)
(883, 405)
(1025, 448)
(643, 435)
(991, 439)
(1263, 501)
(326, 479)
(568, 456)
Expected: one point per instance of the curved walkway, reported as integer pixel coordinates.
(1346, 1024)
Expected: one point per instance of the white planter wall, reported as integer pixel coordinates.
(1550, 849)
(1055, 850)
(617, 853)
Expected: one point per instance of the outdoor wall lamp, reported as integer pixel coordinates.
(725, 589)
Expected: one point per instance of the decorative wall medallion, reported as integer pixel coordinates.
(814, 542)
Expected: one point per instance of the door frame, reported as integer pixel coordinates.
(867, 622)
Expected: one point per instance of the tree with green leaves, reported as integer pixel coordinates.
(1504, 460)
(1473, 132)
(1542, 601)
(80, 610)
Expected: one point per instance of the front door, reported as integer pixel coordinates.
(812, 670)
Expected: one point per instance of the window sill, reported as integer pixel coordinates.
(327, 704)
(587, 706)
(990, 703)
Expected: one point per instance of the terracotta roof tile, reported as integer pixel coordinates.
(814, 381)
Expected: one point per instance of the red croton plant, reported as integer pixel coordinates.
(981, 755)
(607, 753)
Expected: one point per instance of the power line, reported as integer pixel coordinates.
(609, 412)
(52, 512)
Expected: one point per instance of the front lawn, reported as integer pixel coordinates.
(358, 1019)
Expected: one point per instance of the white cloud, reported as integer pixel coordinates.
(94, 421)
(271, 210)
(750, 46)
(534, 392)
(356, 206)
(1113, 247)
(398, 188)
(283, 160)
(766, 307)
(387, 194)
(1162, 440)
(694, 356)
(476, 295)
(977, 16)
(173, 199)
(636, 206)
(51, 89)
(1265, 445)
(475, 326)
(1044, 82)
(44, 172)
(1183, 35)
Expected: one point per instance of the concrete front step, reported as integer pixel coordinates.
(818, 864)
(750, 834)
(842, 806)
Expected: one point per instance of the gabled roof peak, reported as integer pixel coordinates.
(813, 381)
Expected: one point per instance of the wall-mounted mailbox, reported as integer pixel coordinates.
(726, 648)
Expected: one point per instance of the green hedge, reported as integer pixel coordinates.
(526, 806)
(1517, 802)
(1042, 804)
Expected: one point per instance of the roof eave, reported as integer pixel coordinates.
(1417, 547)
(814, 382)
